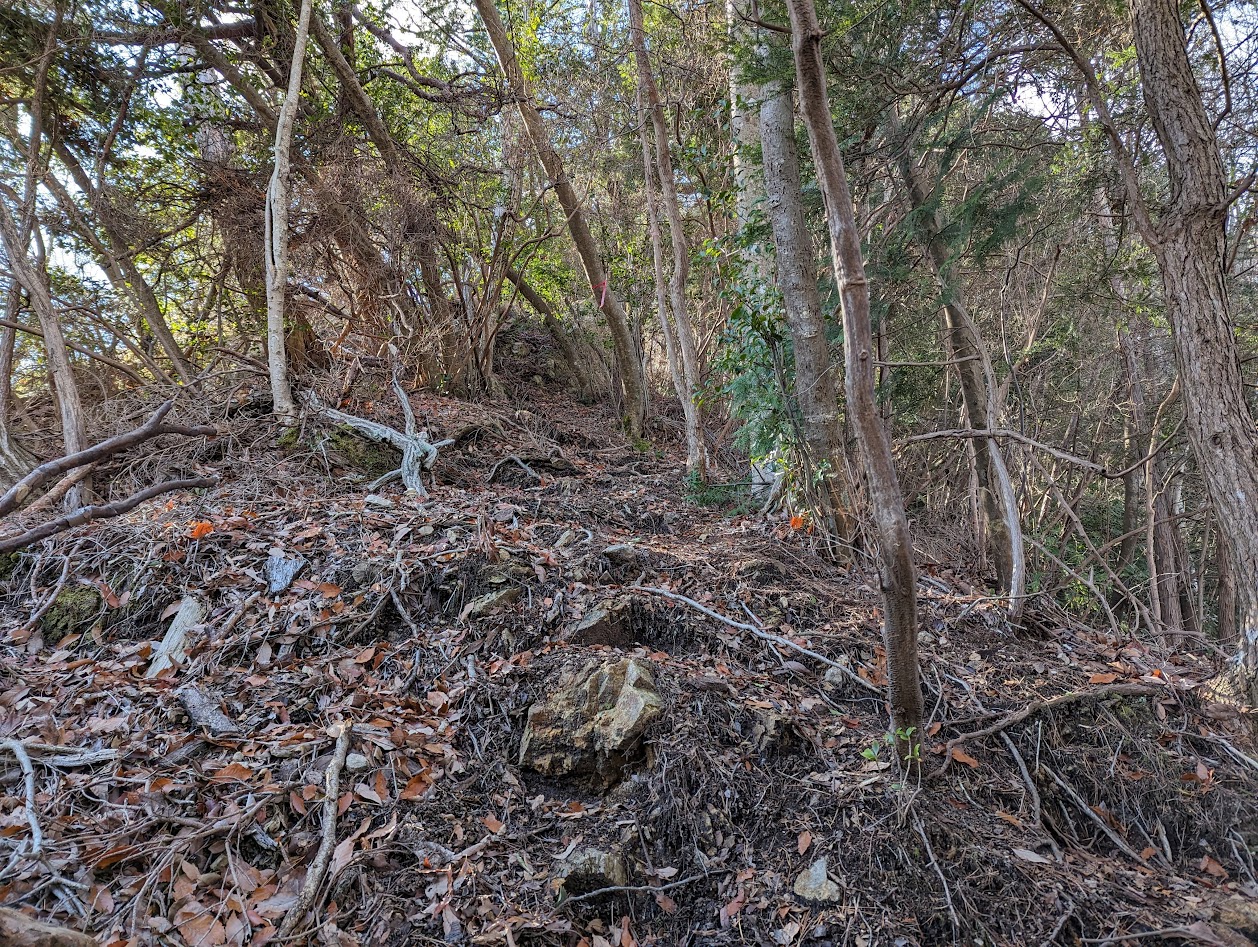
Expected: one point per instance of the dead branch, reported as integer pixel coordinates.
(1088, 811)
(493, 473)
(319, 868)
(418, 454)
(87, 514)
(1072, 697)
(28, 776)
(762, 634)
(151, 428)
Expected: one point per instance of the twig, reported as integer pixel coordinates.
(28, 774)
(521, 464)
(760, 633)
(319, 868)
(934, 863)
(631, 889)
(1091, 814)
(48, 602)
(1004, 723)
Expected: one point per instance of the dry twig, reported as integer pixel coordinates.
(319, 867)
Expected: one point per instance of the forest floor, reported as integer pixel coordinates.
(185, 808)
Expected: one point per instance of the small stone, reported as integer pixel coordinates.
(426, 530)
(589, 869)
(812, 884)
(280, 571)
(622, 553)
(383, 503)
(487, 603)
(355, 762)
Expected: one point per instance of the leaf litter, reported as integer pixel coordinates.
(185, 805)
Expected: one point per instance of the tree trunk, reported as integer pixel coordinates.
(15, 460)
(682, 330)
(1191, 254)
(628, 358)
(745, 97)
(895, 545)
(694, 447)
(68, 401)
(816, 377)
(997, 506)
(277, 229)
(117, 257)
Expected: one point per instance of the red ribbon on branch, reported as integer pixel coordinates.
(603, 298)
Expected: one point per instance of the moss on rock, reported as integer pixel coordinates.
(350, 449)
(73, 611)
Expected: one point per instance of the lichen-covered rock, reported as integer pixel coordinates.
(19, 930)
(74, 610)
(589, 869)
(591, 721)
(1240, 914)
(813, 884)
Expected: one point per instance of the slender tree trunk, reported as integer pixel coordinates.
(681, 337)
(895, 545)
(277, 228)
(745, 98)
(816, 376)
(694, 435)
(15, 460)
(997, 505)
(71, 407)
(121, 260)
(628, 357)
(1190, 247)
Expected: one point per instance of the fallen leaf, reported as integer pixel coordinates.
(415, 787)
(493, 823)
(199, 529)
(1102, 678)
(232, 771)
(1212, 867)
(804, 840)
(963, 757)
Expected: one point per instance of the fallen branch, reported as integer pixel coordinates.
(493, 472)
(28, 775)
(631, 889)
(86, 514)
(153, 427)
(319, 868)
(1072, 697)
(762, 634)
(1088, 811)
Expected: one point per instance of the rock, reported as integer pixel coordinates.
(280, 571)
(591, 721)
(355, 762)
(623, 554)
(1240, 914)
(812, 884)
(18, 930)
(487, 603)
(607, 623)
(363, 573)
(383, 503)
(589, 869)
